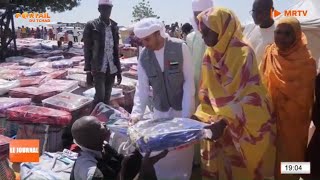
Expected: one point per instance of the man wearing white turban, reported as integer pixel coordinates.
(195, 42)
(197, 48)
(165, 65)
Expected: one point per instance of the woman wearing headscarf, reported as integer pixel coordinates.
(289, 73)
(233, 98)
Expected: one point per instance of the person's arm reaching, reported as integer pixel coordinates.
(188, 101)
(141, 95)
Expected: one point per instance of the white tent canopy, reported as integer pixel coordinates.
(310, 24)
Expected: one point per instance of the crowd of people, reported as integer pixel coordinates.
(253, 87)
(39, 32)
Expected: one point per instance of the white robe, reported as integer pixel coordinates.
(258, 38)
(177, 164)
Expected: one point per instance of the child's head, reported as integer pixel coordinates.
(70, 44)
(90, 133)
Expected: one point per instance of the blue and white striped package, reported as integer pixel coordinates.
(162, 134)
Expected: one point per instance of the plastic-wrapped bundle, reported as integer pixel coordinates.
(42, 65)
(161, 134)
(4, 147)
(5, 86)
(31, 81)
(128, 62)
(39, 115)
(76, 60)
(6, 103)
(81, 78)
(62, 64)
(15, 59)
(55, 58)
(31, 72)
(28, 62)
(76, 70)
(109, 115)
(17, 67)
(35, 93)
(116, 93)
(67, 101)
(60, 85)
(117, 119)
(9, 74)
(48, 70)
(131, 74)
(61, 74)
(7, 64)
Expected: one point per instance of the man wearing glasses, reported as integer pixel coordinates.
(261, 33)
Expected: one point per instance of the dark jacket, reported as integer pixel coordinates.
(94, 42)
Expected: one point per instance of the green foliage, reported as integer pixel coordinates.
(143, 10)
(44, 5)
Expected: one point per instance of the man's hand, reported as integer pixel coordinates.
(194, 118)
(89, 79)
(130, 165)
(119, 78)
(147, 170)
(217, 129)
(133, 121)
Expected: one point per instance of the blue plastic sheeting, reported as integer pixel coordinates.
(162, 134)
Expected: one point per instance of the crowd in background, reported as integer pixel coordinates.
(39, 32)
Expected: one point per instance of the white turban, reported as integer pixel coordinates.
(201, 5)
(105, 2)
(148, 26)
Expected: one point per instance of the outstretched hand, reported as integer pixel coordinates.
(147, 166)
(217, 129)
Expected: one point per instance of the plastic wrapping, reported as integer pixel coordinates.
(128, 62)
(28, 62)
(117, 120)
(17, 67)
(61, 74)
(6, 103)
(131, 74)
(162, 134)
(62, 64)
(35, 93)
(109, 115)
(31, 72)
(7, 64)
(47, 70)
(81, 78)
(76, 60)
(115, 94)
(15, 59)
(9, 74)
(4, 147)
(42, 65)
(76, 70)
(31, 81)
(55, 58)
(67, 101)
(5, 86)
(60, 85)
(39, 115)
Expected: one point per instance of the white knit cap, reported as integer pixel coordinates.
(105, 2)
(147, 26)
(201, 5)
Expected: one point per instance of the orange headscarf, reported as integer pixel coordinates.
(290, 79)
(291, 70)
